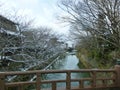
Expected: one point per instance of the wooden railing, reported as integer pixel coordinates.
(96, 79)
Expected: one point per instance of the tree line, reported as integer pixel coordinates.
(95, 27)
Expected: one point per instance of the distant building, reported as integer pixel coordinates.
(66, 46)
(7, 24)
(9, 33)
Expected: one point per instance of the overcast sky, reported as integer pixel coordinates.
(44, 12)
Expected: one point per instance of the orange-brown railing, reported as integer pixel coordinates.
(97, 78)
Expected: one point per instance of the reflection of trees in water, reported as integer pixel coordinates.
(57, 64)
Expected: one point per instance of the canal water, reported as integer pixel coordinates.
(70, 62)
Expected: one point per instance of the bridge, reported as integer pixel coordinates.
(98, 79)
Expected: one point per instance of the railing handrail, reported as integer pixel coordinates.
(55, 71)
(68, 79)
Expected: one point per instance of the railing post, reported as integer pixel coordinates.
(68, 80)
(38, 81)
(117, 68)
(2, 81)
(104, 83)
(81, 84)
(53, 85)
(94, 79)
(20, 87)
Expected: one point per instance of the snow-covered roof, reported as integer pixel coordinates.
(6, 19)
(2, 30)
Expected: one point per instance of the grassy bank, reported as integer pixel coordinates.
(97, 61)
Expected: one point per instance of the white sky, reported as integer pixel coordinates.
(44, 12)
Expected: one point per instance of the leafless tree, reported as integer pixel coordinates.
(95, 19)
